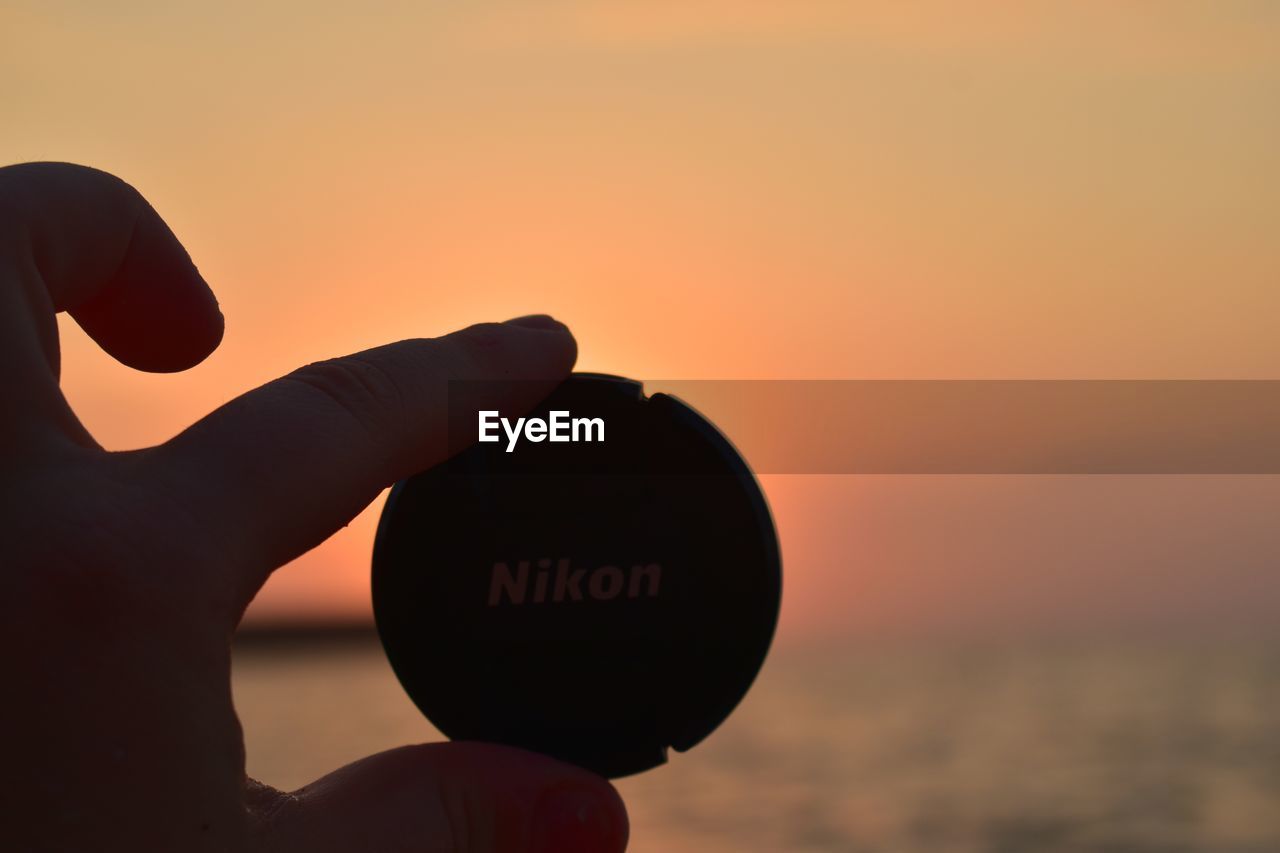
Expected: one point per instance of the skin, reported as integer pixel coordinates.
(124, 575)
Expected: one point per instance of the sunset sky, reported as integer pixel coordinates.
(717, 190)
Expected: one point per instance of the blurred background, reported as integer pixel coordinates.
(762, 190)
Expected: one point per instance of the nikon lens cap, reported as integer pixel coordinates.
(599, 597)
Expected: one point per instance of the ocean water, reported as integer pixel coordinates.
(1122, 748)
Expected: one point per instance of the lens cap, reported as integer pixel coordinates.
(598, 600)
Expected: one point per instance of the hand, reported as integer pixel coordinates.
(124, 574)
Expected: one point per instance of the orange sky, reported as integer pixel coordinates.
(723, 190)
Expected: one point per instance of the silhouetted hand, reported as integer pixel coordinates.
(125, 574)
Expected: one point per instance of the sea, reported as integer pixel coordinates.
(1133, 746)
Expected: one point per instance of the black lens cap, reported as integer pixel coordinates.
(598, 600)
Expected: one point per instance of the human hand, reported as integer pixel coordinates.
(125, 574)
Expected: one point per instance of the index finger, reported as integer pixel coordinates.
(276, 471)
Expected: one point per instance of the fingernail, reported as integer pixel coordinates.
(575, 819)
(537, 321)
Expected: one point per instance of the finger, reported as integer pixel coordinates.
(447, 798)
(79, 240)
(276, 471)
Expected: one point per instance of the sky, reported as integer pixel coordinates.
(716, 190)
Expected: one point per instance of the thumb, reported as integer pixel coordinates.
(446, 798)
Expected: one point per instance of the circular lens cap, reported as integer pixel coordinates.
(598, 596)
